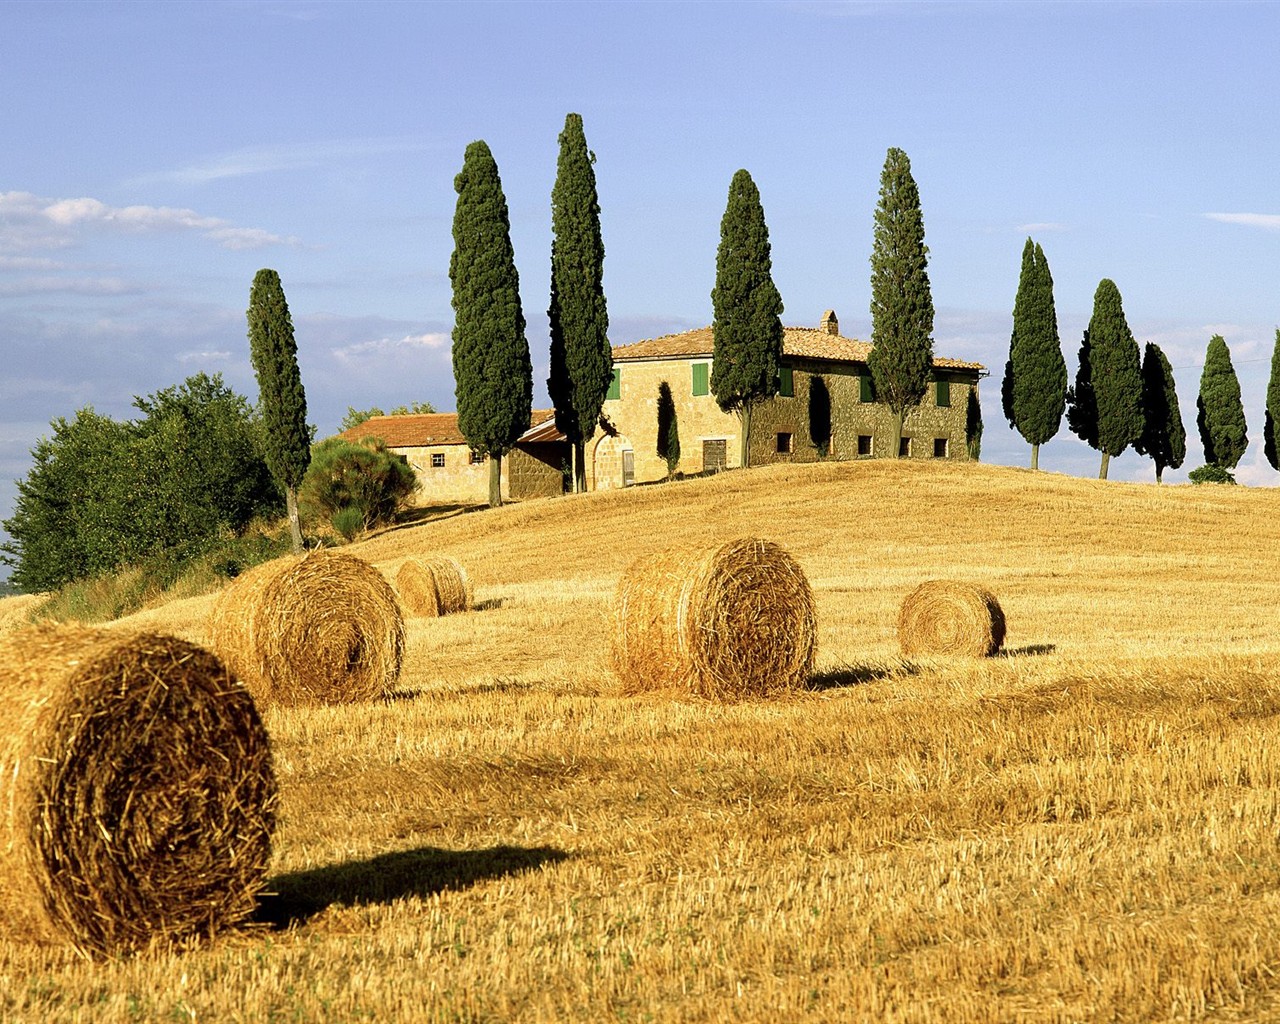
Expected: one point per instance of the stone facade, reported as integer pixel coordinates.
(449, 473)
(536, 469)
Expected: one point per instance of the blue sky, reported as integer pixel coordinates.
(157, 155)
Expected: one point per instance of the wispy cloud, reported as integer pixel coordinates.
(54, 285)
(273, 159)
(387, 346)
(1041, 226)
(1267, 221)
(28, 222)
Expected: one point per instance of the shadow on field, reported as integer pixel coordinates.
(295, 898)
(1029, 651)
(857, 675)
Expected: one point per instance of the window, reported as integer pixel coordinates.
(713, 455)
(437, 460)
(904, 448)
(944, 394)
(615, 385)
(784, 444)
(867, 388)
(701, 379)
(786, 382)
(939, 447)
(864, 444)
(474, 458)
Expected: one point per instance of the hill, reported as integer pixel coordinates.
(1083, 828)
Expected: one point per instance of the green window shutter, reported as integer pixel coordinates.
(700, 380)
(786, 382)
(868, 388)
(944, 394)
(615, 385)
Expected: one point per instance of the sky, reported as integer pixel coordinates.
(157, 155)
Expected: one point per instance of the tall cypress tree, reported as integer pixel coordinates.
(1164, 438)
(1273, 407)
(1038, 387)
(668, 441)
(274, 355)
(747, 329)
(493, 375)
(581, 359)
(1220, 413)
(1082, 403)
(1116, 374)
(901, 302)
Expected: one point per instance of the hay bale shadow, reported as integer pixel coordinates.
(858, 675)
(488, 605)
(297, 897)
(1031, 650)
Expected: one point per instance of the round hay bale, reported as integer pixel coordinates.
(322, 629)
(950, 618)
(727, 623)
(433, 586)
(137, 797)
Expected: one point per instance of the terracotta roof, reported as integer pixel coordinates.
(806, 342)
(420, 430)
(542, 430)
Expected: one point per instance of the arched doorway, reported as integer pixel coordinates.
(614, 462)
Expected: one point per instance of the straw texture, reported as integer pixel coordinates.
(322, 629)
(730, 622)
(949, 617)
(433, 586)
(136, 791)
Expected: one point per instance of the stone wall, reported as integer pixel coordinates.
(537, 470)
(457, 480)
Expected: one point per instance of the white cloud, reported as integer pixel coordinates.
(52, 284)
(33, 222)
(1041, 226)
(219, 356)
(272, 159)
(391, 346)
(1268, 221)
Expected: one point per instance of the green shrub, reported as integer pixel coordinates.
(364, 476)
(349, 522)
(1211, 474)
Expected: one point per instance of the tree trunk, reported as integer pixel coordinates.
(579, 467)
(745, 417)
(495, 480)
(1035, 456)
(1159, 473)
(898, 416)
(295, 527)
(1106, 460)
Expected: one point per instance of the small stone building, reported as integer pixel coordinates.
(825, 408)
(449, 472)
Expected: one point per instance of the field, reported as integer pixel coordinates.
(1082, 829)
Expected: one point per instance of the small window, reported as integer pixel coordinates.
(867, 388)
(701, 379)
(944, 394)
(786, 382)
(474, 458)
(437, 460)
(784, 444)
(904, 448)
(864, 444)
(939, 447)
(615, 385)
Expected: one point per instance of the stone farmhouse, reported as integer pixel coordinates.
(825, 408)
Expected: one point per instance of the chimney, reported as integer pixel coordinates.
(829, 322)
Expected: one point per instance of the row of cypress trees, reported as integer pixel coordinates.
(1117, 400)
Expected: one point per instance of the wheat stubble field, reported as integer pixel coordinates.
(1082, 829)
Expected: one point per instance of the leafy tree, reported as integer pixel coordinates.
(901, 303)
(1082, 403)
(355, 417)
(274, 354)
(1273, 407)
(668, 446)
(1116, 375)
(747, 309)
(581, 358)
(492, 371)
(973, 426)
(1211, 474)
(1036, 374)
(1163, 436)
(354, 485)
(1220, 413)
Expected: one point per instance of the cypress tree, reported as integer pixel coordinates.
(581, 359)
(274, 354)
(747, 325)
(1163, 438)
(668, 445)
(493, 375)
(973, 426)
(1116, 375)
(1037, 370)
(1006, 393)
(1082, 403)
(1220, 414)
(1273, 407)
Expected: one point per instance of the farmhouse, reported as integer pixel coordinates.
(825, 408)
(449, 471)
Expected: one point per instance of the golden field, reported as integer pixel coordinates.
(1084, 828)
